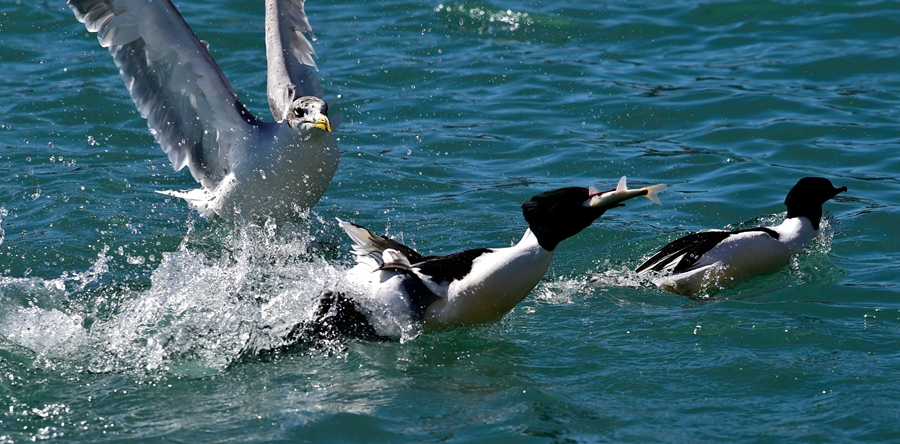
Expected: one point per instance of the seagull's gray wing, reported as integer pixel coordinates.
(289, 56)
(190, 108)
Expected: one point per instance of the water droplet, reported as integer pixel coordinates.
(135, 260)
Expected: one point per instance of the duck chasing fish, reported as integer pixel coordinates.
(395, 292)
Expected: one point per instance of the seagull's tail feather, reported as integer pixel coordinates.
(198, 199)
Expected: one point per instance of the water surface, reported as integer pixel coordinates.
(123, 315)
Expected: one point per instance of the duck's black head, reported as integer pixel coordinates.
(807, 197)
(557, 215)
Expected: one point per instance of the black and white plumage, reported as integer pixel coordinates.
(245, 165)
(712, 259)
(399, 292)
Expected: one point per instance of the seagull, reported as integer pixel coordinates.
(246, 166)
(711, 259)
(395, 292)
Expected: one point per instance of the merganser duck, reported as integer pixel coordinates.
(711, 259)
(245, 165)
(394, 292)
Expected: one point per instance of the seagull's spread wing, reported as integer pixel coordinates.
(190, 108)
(289, 56)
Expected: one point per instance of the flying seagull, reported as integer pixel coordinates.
(247, 167)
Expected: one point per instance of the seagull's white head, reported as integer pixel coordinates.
(309, 112)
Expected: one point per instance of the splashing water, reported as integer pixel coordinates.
(485, 18)
(3, 214)
(208, 303)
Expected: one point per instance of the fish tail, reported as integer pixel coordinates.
(653, 191)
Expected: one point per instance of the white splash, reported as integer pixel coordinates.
(202, 309)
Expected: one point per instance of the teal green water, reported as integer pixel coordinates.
(122, 314)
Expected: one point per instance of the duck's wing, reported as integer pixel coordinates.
(686, 250)
(190, 108)
(689, 249)
(445, 269)
(289, 55)
(365, 243)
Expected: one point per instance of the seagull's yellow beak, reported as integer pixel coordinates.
(323, 123)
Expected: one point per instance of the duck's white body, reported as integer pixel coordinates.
(717, 259)
(739, 256)
(382, 297)
(497, 280)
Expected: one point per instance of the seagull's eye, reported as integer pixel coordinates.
(299, 112)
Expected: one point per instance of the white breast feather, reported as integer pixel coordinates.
(498, 281)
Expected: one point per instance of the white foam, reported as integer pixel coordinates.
(203, 309)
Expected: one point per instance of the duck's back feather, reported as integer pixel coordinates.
(691, 248)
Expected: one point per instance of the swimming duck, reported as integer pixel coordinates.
(246, 166)
(395, 292)
(722, 258)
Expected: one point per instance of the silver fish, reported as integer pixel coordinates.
(622, 193)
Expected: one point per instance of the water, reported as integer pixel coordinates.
(124, 316)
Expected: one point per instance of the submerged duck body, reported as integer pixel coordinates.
(399, 292)
(712, 259)
(246, 166)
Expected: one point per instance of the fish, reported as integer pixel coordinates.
(621, 193)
